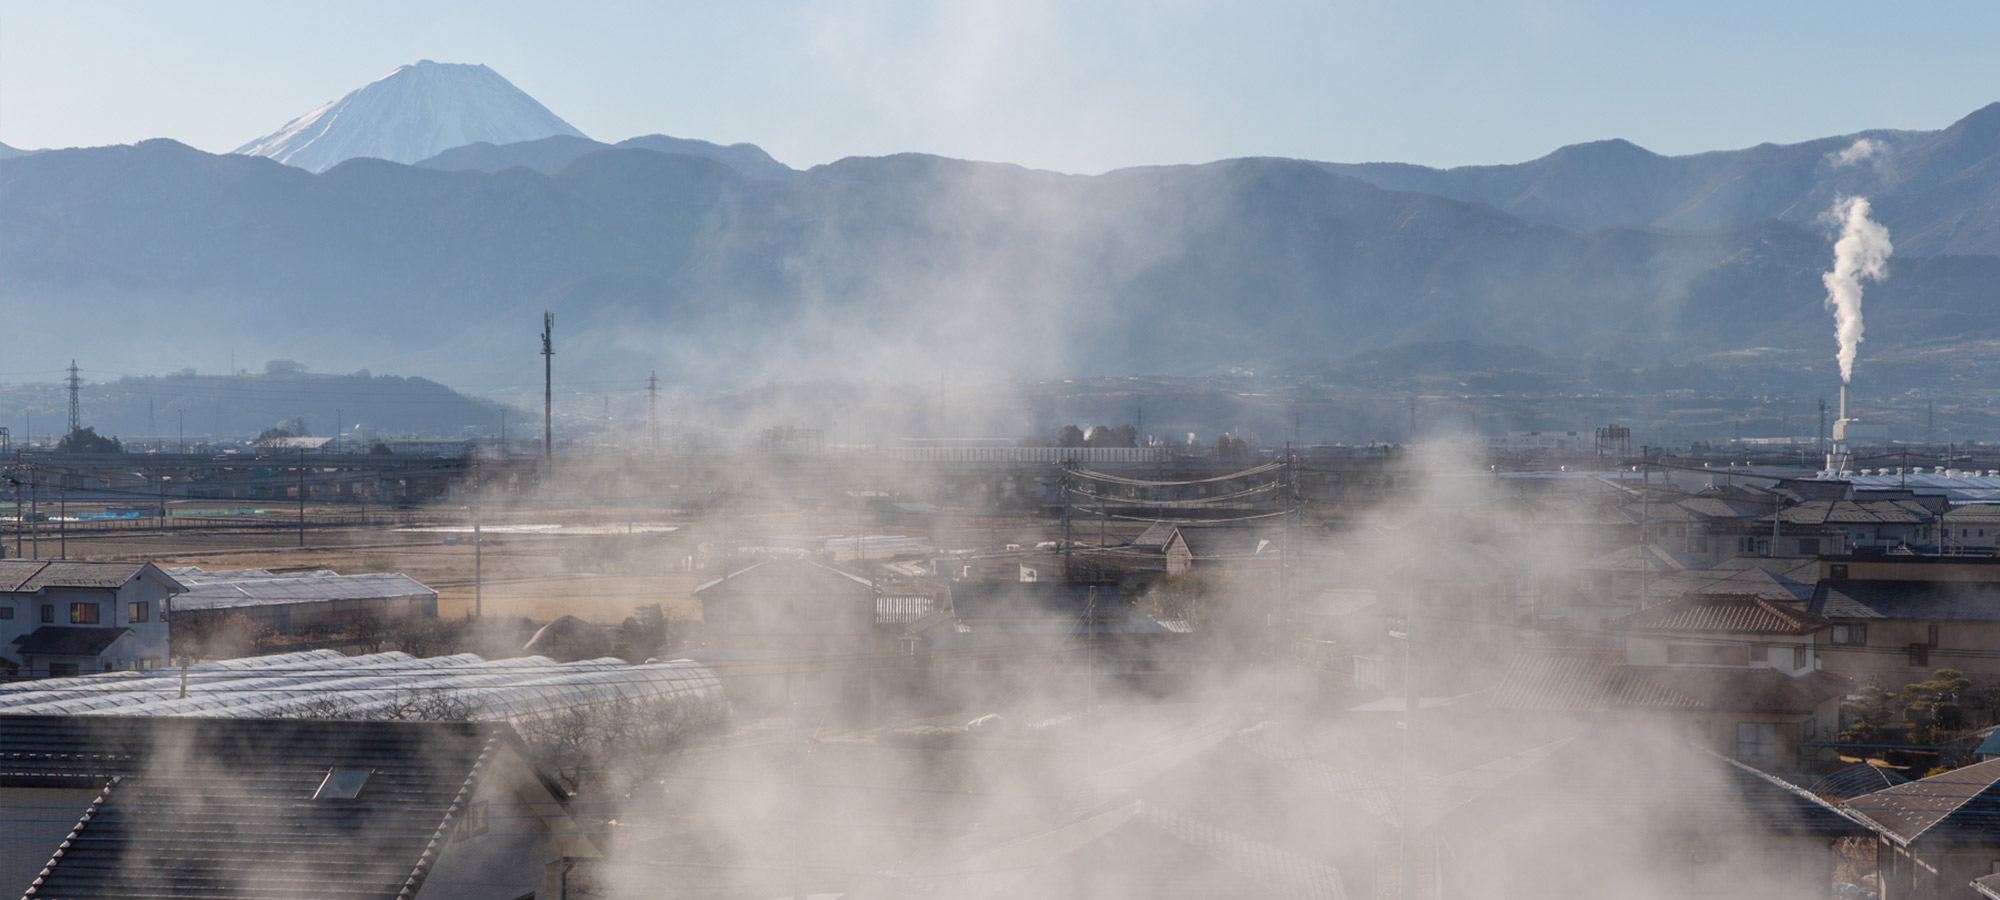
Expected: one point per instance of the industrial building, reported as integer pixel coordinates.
(296, 602)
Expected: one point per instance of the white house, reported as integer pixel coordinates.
(66, 617)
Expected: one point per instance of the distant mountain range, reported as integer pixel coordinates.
(551, 155)
(717, 265)
(1938, 191)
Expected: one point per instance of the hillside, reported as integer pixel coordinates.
(905, 267)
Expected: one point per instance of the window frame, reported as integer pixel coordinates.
(86, 612)
(139, 611)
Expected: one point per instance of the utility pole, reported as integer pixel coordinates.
(339, 427)
(548, 386)
(478, 570)
(184, 429)
(75, 418)
(653, 407)
(302, 496)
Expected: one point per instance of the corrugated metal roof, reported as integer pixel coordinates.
(267, 589)
(384, 685)
(1955, 807)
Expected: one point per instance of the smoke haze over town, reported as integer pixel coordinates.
(999, 451)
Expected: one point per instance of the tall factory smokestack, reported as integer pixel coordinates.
(1843, 400)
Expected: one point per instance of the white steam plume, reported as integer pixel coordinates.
(1862, 252)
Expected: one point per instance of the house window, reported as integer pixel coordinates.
(6, 612)
(1850, 634)
(83, 613)
(1808, 546)
(1838, 570)
(48, 612)
(139, 611)
(1931, 635)
(1920, 655)
(1757, 744)
(1798, 657)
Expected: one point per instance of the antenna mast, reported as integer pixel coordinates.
(548, 386)
(653, 407)
(75, 419)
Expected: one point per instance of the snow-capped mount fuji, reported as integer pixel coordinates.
(413, 113)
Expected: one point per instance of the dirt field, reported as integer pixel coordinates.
(593, 575)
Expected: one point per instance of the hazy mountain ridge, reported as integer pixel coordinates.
(199, 407)
(553, 154)
(685, 264)
(1938, 191)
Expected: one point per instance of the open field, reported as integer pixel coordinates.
(595, 573)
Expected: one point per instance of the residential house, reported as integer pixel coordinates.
(147, 807)
(1632, 812)
(67, 617)
(1223, 546)
(1734, 673)
(997, 634)
(1972, 529)
(1895, 619)
(792, 631)
(1832, 527)
(1934, 835)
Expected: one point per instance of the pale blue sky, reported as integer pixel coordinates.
(1069, 85)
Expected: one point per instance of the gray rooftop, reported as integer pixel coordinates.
(256, 587)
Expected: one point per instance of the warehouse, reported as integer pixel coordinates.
(296, 602)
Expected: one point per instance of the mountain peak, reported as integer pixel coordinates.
(412, 113)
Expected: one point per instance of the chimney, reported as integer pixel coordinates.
(1843, 399)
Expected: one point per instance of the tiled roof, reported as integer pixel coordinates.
(1582, 681)
(68, 640)
(1857, 512)
(1597, 779)
(1718, 508)
(1647, 558)
(1746, 690)
(224, 807)
(1709, 613)
(1578, 681)
(1955, 807)
(30, 575)
(1226, 541)
(1931, 601)
(1752, 580)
